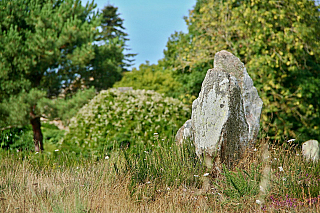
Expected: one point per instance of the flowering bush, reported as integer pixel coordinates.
(114, 118)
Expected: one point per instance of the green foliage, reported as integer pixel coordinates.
(41, 37)
(21, 138)
(105, 69)
(18, 138)
(51, 133)
(242, 183)
(279, 43)
(112, 24)
(150, 77)
(65, 108)
(50, 46)
(45, 44)
(110, 61)
(114, 118)
(15, 109)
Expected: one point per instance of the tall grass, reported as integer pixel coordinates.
(160, 178)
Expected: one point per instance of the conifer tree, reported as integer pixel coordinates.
(110, 61)
(43, 45)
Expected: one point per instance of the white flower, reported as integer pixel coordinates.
(148, 182)
(57, 150)
(255, 149)
(280, 169)
(258, 202)
(196, 175)
(205, 174)
(291, 140)
(106, 157)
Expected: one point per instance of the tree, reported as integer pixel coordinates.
(44, 44)
(110, 61)
(150, 77)
(279, 42)
(112, 27)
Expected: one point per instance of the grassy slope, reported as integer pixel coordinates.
(161, 180)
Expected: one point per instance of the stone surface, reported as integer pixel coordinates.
(185, 132)
(227, 62)
(225, 116)
(311, 150)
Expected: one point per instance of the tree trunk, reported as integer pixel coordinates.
(37, 134)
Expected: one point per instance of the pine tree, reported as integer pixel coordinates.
(45, 44)
(110, 61)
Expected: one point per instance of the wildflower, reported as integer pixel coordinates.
(148, 182)
(106, 157)
(205, 174)
(258, 202)
(280, 169)
(255, 149)
(195, 175)
(155, 133)
(291, 140)
(57, 150)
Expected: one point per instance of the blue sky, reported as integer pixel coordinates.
(150, 23)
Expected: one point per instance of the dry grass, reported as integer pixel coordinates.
(96, 186)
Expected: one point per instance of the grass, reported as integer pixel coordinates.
(162, 178)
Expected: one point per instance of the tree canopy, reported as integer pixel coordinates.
(110, 60)
(46, 46)
(279, 43)
(150, 77)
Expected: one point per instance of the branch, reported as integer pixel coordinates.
(8, 127)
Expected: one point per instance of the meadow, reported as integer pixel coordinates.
(163, 178)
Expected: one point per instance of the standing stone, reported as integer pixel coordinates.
(185, 132)
(311, 150)
(227, 62)
(225, 116)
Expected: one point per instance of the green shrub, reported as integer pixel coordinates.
(51, 133)
(18, 138)
(21, 138)
(127, 119)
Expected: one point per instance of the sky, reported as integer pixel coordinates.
(149, 24)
